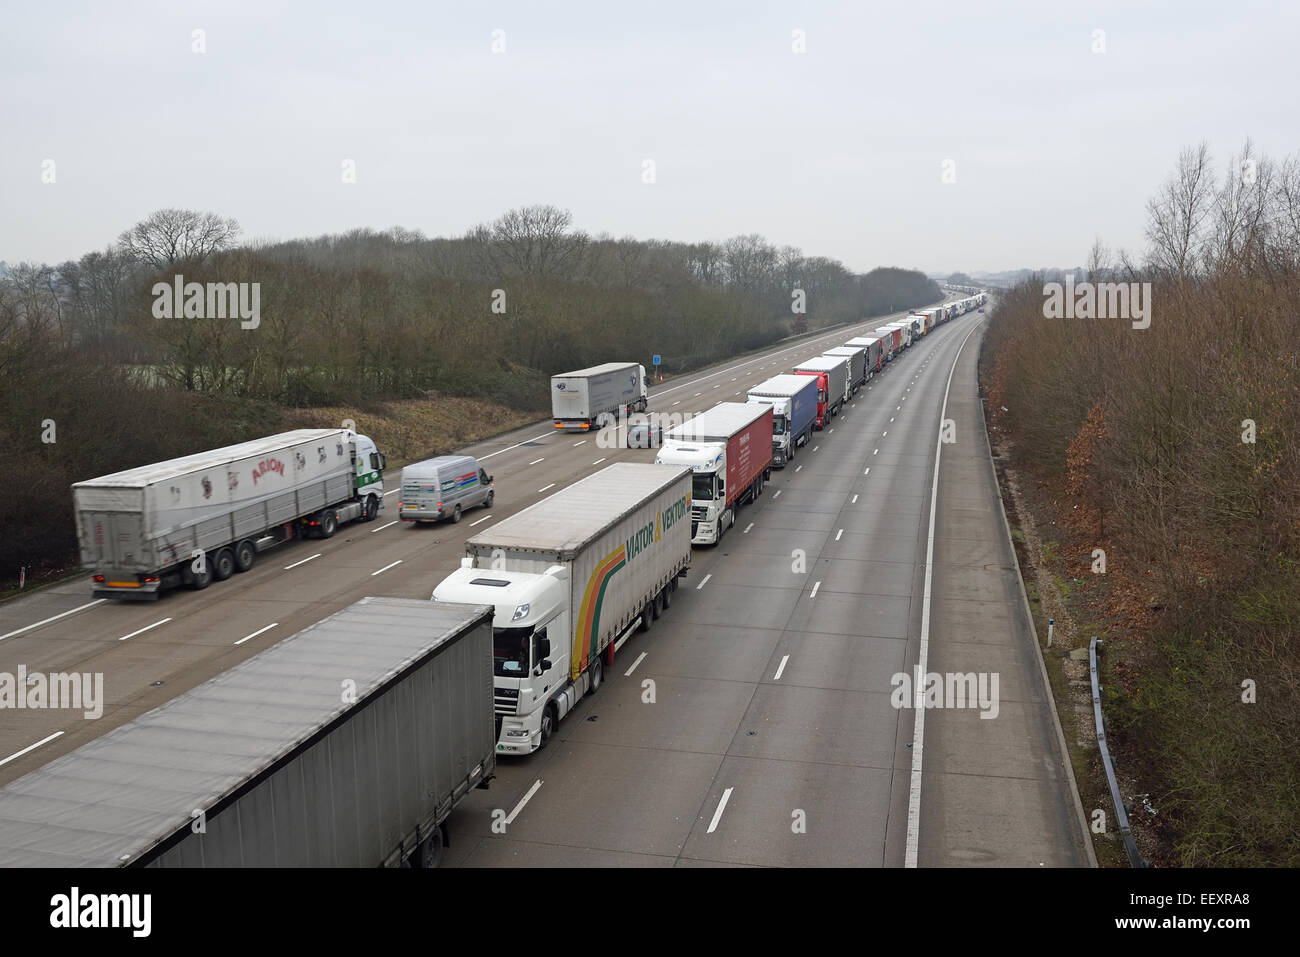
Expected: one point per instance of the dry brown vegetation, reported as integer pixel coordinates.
(1134, 441)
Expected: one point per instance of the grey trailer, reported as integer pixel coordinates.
(345, 745)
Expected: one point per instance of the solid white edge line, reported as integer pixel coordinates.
(923, 659)
(30, 747)
(65, 614)
(256, 633)
(144, 629)
(722, 806)
(639, 658)
(524, 800)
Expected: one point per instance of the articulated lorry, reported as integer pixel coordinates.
(346, 745)
(581, 400)
(875, 352)
(570, 578)
(832, 374)
(192, 519)
(905, 331)
(891, 340)
(729, 451)
(858, 371)
(793, 399)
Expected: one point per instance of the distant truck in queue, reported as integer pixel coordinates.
(875, 352)
(279, 766)
(206, 516)
(728, 448)
(570, 579)
(893, 337)
(585, 399)
(858, 372)
(793, 399)
(832, 373)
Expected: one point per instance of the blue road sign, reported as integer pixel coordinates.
(656, 360)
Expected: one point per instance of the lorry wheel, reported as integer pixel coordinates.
(548, 726)
(245, 555)
(429, 853)
(598, 672)
(202, 580)
(371, 510)
(658, 603)
(455, 515)
(329, 524)
(666, 597)
(223, 565)
(647, 616)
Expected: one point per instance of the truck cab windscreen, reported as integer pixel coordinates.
(778, 425)
(510, 652)
(702, 487)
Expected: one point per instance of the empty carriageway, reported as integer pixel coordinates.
(754, 724)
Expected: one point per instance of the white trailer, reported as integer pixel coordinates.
(581, 399)
(857, 356)
(570, 578)
(207, 515)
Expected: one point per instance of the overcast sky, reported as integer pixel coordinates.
(839, 150)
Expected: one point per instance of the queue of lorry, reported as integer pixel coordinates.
(533, 618)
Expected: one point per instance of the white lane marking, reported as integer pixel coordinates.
(722, 806)
(716, 386)
(393, 492)
(256, 633)
(868, 470)
(524, 442)
(678, 402)
(780, 668)
(481, 520)
(886, 432)
(385, 568)
(923, 662)
(535, 461)
(30, 747)
(891, 418)
(576, 444)
(639, 658)
(855, 501)
(829, 431)
(875, 452)
(303, 562)
(144, 629)
(46, 621)
(382, 527)
(545, 487)
(816, 585)
(777, 493)
(898, 408)
(697, 395)
(816, 447)
(703, 581)
(838, 534)
(524, 800)
(733, 378)
(798, 467)
(747, 528)
(599, 460)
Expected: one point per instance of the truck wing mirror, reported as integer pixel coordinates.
(546, 665)
(544, 647)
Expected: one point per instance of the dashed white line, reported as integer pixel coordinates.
(515, 446)
(816, 585)
(30, 747)
(722, 806)
(481, 520)
(777, 493)
(838, 534)
(545, 487)
(798, 467)
(524, 800)
(144, 629)
(576, 444)
(816, 447)
(303, 562)
(886, 432)
(535, 461)
(639, 658)
(599, 460)
(855, 501)
(703, 581)
(385, 568)
(256, 633)
(868, 469)
(46, 621)
(875, 452)
(780, 668)
(747, 528)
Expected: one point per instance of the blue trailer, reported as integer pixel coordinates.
(793, 399)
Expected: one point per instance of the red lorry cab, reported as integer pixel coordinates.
(823, 396)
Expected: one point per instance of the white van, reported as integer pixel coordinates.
(443, 487)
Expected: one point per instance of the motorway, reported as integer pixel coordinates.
(753, 725)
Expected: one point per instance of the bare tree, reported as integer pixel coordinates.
(172, 236)
(532, 241)
(1176, 216)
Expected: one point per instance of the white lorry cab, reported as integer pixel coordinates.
(444, 487)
